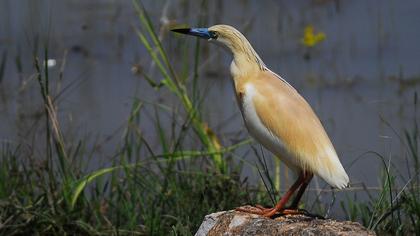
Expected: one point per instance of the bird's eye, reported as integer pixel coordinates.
(213, 34)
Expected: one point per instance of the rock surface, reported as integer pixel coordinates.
(240, 223)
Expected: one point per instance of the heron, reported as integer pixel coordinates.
(277, 117)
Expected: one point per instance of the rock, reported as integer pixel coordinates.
(240, 223)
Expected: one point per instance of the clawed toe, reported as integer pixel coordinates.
(301, 212)
(294, 212)
(270, 212)
(258, 209)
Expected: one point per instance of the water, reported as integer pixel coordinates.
(354, 80)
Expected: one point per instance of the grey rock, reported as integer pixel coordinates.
(231, 223)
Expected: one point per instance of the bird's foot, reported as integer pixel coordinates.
(257, 209)
(296, 211)
(271, 212)
(260, 210)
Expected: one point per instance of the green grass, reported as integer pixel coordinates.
(396, 208)
(146, 190)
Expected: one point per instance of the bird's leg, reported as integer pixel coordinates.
(307, 178)
(280, 205)
(259, 210)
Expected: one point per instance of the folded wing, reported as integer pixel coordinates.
(286, 114)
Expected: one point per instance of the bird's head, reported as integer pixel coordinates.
(244, 55)
(222, 34)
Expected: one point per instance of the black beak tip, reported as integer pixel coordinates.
(182, 30)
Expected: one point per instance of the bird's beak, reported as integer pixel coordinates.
(199, 32)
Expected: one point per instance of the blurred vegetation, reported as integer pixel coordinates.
(310, 38)
(48, 190)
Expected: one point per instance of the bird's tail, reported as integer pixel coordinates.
(334, 175)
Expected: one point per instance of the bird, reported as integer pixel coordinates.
(277, 117)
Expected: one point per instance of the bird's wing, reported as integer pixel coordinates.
(288, 116)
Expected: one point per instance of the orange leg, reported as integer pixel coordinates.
(280, 205)
(307, 178)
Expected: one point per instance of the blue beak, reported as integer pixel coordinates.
(199, 32)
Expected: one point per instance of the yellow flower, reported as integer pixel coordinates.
(310, 39)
